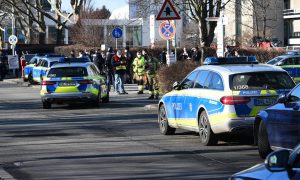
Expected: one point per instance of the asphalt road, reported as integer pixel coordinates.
(119, 140)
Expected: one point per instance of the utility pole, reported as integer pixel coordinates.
(13, 29)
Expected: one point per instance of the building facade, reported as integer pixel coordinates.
(291, 16)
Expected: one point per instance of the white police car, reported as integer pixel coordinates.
(222, 96)
(74, 80)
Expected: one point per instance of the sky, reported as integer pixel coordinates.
(110, 4)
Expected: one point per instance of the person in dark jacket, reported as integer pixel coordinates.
(196, 56)
(108, 66)
(163, 56)
(119, 64)
(129, 60)
(98, 60)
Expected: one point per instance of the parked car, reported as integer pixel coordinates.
(39, 70)
(289, 62)
(283, 164)
(279, 125)
(222, 96)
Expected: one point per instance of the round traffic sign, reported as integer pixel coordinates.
(167, 30)
(117, 32)
(13, 40)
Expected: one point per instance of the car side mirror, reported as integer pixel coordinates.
(282, 99)
(280, 63)
(176, 85)
(278, 161)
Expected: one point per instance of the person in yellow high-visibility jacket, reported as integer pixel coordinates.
(139, 70)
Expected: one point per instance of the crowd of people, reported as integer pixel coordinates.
(122, 66)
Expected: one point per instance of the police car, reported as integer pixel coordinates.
(74, 80)
(29, 67)
(222, 96)
(289, 62)
(42, 67)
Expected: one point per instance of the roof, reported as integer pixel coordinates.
(241, 68)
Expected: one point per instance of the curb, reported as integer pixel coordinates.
(17, 81)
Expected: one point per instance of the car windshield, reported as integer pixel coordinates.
(261, 81)
(275, 60)
(68, 72)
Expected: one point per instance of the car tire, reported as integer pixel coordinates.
(207, 137)
(106, 99)
(46, 105)
(164, 127)
(263, 141)
(96, 102)
(30, 79)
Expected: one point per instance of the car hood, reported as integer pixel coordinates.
(256, 172)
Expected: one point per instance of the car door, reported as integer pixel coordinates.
(288, 65)
(178, 100)
(285, 127)
(36, 72)
(192, 99)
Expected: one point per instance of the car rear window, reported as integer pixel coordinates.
(68, 72)
(261, 81)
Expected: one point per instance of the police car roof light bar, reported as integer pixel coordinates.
(230, 60)
(73, 60)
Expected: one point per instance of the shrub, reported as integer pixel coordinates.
(262, 55)
(167, 75)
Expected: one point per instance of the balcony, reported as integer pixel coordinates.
(291, 14)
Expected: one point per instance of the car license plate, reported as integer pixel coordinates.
(67, 83)
(264, 101)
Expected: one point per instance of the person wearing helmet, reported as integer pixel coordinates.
(139, 69)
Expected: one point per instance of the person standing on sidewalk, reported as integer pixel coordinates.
(129, 58)
(151, 69)
(3, 69)
(139, 69)
(109, 67)
(119, 64)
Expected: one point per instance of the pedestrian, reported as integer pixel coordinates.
(108, 66)
(196, 55)
(3, 69)
(99, 61)
(145, 78)
(139, 69)
(72, 54)
(151, 69)
(163, 56)
(119, 64)
(129, 59)
(184, 55)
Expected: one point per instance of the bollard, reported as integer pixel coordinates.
(23, 64)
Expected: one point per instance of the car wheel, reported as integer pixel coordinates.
(96, 102)
(46, 105)
(163, 122)
(207, 137)
(30, 79)
(106, 99)
(263, 141)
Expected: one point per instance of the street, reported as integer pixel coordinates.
(118, 140)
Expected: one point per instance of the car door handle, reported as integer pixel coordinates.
(296, 108)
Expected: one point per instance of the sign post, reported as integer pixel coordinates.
(117, 33)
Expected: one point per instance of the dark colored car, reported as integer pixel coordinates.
(279, 125)
(282, 165)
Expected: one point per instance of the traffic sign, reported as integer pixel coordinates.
(117, 32)
(167, 12)
(13, 40)
(167, 30)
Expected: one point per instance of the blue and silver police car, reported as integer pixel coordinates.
(289, 62)
(29, 67)
(222, 96)
(39, 70)
(74, 80)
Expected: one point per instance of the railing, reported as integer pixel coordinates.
(288, 12)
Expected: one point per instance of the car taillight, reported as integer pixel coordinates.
(231, 100)
(86, 81)
(48, 82)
